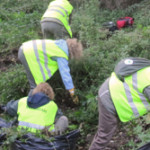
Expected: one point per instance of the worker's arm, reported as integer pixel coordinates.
(12, 107)
(63, 65)
(67, 79)
(65, 72)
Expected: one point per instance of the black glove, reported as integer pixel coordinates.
(2, 109)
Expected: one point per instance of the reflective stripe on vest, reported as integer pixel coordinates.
(31, 125)
(63, 4)
(49, 11)
(36, 119)
(61, 11)
(38, 54)
(38, 58)
(61, 8)
(135, 86)
(127, 96)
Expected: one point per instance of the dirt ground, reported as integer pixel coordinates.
(9, 59)
(118, 142)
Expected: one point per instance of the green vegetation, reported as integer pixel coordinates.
(20, 21)
(14, 84)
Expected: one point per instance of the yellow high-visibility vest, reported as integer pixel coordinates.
(128, 96)
(36, 119)
(38, 54)
(60, 9)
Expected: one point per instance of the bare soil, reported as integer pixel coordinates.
(6, 60)
(118, 142)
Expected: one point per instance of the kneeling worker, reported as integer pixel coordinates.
(38, 111)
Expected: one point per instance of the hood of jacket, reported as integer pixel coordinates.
(37, 100)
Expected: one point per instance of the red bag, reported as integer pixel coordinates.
(125, 22)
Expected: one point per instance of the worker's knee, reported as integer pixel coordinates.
(64, 121)
(61, 124)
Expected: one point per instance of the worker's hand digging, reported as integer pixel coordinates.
(74, 97)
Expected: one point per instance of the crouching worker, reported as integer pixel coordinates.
(38, 111)
(56, 19)
(42, 58)
(124, 96)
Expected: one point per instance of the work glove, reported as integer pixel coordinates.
(2, 109)
(74, 97)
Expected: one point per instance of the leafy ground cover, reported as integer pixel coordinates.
(20, 21)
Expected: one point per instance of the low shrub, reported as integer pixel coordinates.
(14, 84)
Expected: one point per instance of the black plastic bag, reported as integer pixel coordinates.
(31, 142)
(4, 124)
(2, 138)
(62, 142)
(145, 147)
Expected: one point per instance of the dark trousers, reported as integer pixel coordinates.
(53, 30)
